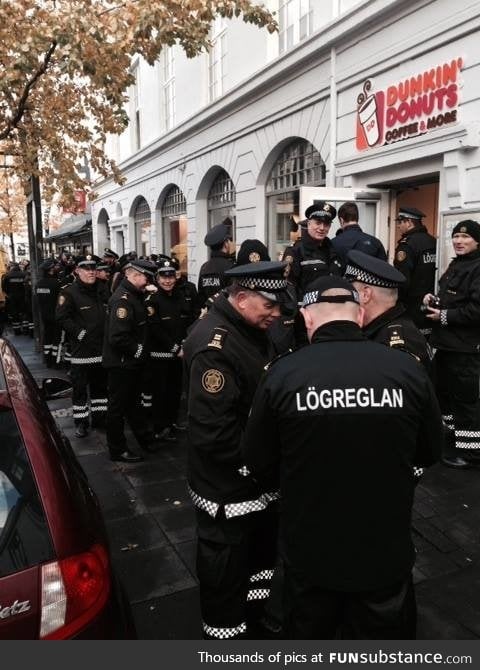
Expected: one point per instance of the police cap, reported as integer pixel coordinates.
(316, 289)
(217, 235)
(89, 261)
(410, 213)
(321, 211)
(264, 277)
(252, 251)
(145, 267)
(166, 267)
(110, 254)
(370, 270)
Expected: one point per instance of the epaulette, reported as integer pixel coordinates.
(277, 358)
(217, 338)
(396, 338)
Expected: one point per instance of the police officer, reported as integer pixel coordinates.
(13, 285)
(169, 316)
(351, 236)
(110, 258)
(124, 354)
(455, 318)
(385, 320)
(188, 289)
(314, 255)
(46, 291)
(80, 312)
(224, 355)
(415, 257)
(211, 278)
(346, 495)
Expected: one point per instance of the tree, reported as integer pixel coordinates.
(66, 72)
(12, 206)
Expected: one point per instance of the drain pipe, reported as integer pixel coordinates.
(331, 181)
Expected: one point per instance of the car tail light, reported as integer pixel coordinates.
(74, 590)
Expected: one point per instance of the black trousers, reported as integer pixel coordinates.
(235, 562)
(315, 613)
(89, 395)
(166, 388)
(124, 392)
(15, 311)
(457, 386)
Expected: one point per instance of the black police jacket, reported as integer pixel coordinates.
(353, 237)
(211, 278)
(13, 284)
(345, 420)
(311, 260)
(395, 328)
(224, 359)
(125, 339)
(191, 296)
(459, 293)
(80, 311)
(47, 290)
(168, 317)
(415, 257)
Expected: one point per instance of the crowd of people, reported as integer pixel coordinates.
(318, 388)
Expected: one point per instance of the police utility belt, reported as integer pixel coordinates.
(233, 509)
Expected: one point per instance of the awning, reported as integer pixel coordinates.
(73, 225)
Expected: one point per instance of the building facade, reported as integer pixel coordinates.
(374, 101)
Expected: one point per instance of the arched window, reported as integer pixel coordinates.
(221, 202)
(299, 164)
(103, 230)
(175, 227)
(143, 223)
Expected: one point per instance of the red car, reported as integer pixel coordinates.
(56, 578)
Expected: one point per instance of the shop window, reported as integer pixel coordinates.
(221, 202)
(175, 227)
(299, 164)
(143, 223)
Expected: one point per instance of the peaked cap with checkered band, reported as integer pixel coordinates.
(370, 270)
(265, 277)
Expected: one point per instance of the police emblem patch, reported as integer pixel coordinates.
(401, 256)
(150, 310)
(122, 312)
(61, 300)
(213, 381)
(254, 257)
(288, 259)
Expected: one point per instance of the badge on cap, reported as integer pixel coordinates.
(88, 258)
(463, 229)
(122, 312)
(213, 381)
(254, 257)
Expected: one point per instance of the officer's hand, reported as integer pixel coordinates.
(428, 298)
(434, 314)
(151, 288)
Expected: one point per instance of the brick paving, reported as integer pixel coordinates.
(150, 522)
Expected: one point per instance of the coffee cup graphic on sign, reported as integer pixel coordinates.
(367, 113)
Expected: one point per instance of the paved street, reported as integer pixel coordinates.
(150, 522)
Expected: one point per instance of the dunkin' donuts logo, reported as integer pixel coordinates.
(411, 107)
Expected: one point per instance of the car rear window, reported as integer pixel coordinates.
(24, 535)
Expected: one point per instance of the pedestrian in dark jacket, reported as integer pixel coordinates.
(340, 424)
(224, 355)
(211, 278)
(351, 236)
(13, 285)
(80, 312)
(415, 257)
(124, 356)
(455, 318)
(46, 291)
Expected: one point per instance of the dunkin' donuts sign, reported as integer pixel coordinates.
(413, 106)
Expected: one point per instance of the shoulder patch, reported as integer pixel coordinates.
(396, 336)
(401, 256)
(121, 313)
(213, 381)
(277, 358)
(150, 310)
(217, 339)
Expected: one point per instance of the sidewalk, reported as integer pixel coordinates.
(151, 526)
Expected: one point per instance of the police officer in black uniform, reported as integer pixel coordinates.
(224, 355)
(46, 291)
(344, 420)
(415, 257)
(188, 289)
(169, 316)
(211, 278)
(314, 255)
(124, 355)
(13, 285)
(110, 258)
(80, 312)
(385, 320)
(455, 318)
